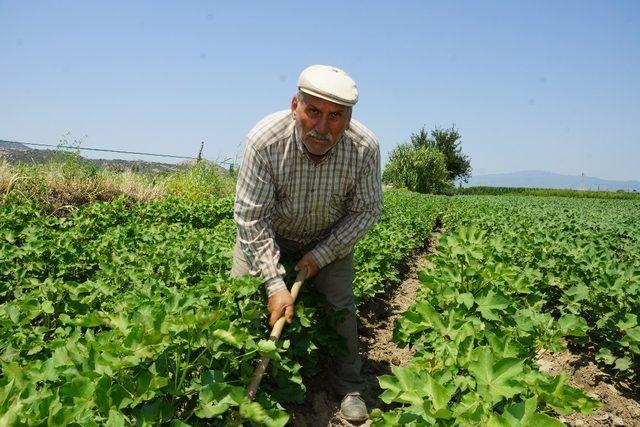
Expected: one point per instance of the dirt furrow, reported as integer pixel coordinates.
(379, 353)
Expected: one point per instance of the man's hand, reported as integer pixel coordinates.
(308, 264)
(279, 303)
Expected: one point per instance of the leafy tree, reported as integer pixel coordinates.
(447, 141)
(420, 169)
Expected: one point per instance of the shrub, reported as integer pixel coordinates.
(420, 169)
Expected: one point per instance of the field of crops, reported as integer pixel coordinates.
(513, 276)
(124, 313)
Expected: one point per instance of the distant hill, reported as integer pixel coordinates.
(542, 179)
(15, 152)
(10, 145)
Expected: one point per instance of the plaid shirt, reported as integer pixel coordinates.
(280, 191)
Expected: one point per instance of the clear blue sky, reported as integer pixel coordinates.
(530, 85)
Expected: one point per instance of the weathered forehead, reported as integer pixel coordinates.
(321, 104)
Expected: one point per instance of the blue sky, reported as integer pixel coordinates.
(530, 85)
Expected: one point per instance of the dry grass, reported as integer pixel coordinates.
(75, 188)
(66, 183)
(140, 189)
(7, 176)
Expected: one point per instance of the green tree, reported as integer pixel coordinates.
(447, 141)
(420, 169)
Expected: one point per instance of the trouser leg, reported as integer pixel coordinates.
(335, 281)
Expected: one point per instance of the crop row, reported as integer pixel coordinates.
(124, 314)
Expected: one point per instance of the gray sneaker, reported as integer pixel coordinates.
(353, 408)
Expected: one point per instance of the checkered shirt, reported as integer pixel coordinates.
(280, 191)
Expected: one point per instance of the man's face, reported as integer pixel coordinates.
(320, 122)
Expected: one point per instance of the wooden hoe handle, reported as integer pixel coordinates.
(275, 335)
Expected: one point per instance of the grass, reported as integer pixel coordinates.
(66, 181)
(200, 181)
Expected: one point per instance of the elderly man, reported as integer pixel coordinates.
(309, 186)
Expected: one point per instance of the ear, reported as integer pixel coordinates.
(294, 106)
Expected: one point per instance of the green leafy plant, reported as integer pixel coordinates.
(420, 169)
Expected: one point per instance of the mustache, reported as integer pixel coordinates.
(317, 135)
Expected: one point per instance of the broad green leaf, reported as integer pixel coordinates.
(227, 337)
(490, 304)
(498, 380)
(79, 387)
(570, 324)
(437, 394)
(623, 363)
(605, 355)
(466, 298)
(429, 314)
(633, 333)
(211, 409)
(411, 385)
(101, 397)
(630, 320)
(253, 411)
(47, 307)
(565, 399)
(523, 414)
(268, 348)
(216, 398)
(470, 408)
(503, 346)
(119, 396)
(578, 293)
(116, 419)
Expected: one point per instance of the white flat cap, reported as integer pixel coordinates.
(330, 83)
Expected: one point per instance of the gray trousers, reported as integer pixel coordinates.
(334, 281)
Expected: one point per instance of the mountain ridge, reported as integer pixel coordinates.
(544, 179)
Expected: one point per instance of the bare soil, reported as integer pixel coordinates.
(620, 399)
(379, 353)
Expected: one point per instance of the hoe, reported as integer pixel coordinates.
(275, 335)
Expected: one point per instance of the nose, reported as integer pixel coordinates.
(322, 125)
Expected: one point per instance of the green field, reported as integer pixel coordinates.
(513, 276)
(124, 314)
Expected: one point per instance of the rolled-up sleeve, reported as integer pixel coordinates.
(364, 210)
(255, 196)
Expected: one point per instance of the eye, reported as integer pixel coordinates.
(336, 115)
